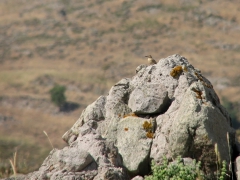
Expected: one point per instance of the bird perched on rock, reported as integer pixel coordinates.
(151, 61)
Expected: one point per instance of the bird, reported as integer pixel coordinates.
(151, 61)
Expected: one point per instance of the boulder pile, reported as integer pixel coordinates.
(168, 109)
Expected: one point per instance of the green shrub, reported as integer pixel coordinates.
(179, 171)
(57, 95)
(174, 171)
(223, 172)
(231, 109)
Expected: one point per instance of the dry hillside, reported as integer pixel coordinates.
(87, 46)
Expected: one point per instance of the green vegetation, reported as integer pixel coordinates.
(231, 109)
(223, 172)
(58, 96)
(174, 171)
(177, 170)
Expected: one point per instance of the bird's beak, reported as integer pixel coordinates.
(146, 56)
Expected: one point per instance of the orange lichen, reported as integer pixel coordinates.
(200, 77)
(150, 134)
(147, 125)
(134, 115)
(176, 71)
(198, 93)
(131, 114)
(125, 129)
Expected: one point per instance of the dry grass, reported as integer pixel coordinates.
(13, 163)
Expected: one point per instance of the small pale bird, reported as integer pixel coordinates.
(151, 61)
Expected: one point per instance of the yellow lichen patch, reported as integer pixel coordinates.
(150, 134)
(147, 125)
(134, 115)
(131, 114)
(176, 71)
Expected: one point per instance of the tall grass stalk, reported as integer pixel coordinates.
(13, 163)
(216, 152)
(229, 153)
(48, 138)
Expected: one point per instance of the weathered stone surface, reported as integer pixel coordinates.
(72, 159)
(140, 67)
(116, 107)
(95, 111)
(131, 137)
(108, 140)
(194, 129)
(149, 99)
(111, 174)
(237, 167)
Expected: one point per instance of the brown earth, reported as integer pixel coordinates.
(90, 45)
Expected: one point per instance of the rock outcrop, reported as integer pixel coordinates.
(168, 109)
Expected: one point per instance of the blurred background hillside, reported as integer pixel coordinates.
(89, 45)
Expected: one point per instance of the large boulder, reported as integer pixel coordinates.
(131, 136)
(149, 99)
(166, 110)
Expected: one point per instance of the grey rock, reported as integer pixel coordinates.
(149, 99)
(73, 159)
(141, 67)
(133, 144)
(116, 107)
(111, 174)
(237, 167)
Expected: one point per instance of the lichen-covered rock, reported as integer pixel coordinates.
(116, 108)
(114, 140)
(131, 136)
